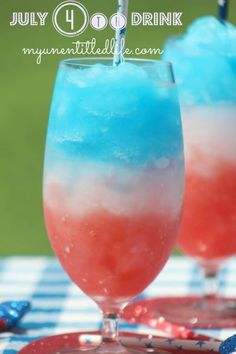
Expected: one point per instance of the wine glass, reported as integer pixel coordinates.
(113, 179)
(205, 67)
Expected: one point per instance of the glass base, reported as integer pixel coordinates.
(108, 351)
(74, 343)
(102, 349)
(193, 312)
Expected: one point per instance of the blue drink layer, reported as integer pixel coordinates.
(118, 114)
(204, 62)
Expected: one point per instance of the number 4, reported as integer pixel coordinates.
(70, 18)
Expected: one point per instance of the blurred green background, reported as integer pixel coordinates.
(26, 90)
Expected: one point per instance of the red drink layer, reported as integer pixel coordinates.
(113, 228)
(208, 230)
(111, 257)
(209, 225)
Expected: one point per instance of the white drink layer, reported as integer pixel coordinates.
(209, 137)
(85, 187)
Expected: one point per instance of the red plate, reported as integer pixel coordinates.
(188, 311)
(49, 345)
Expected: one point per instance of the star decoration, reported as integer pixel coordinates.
(169, 341)
(11, 312)
(200, 343)
(179, 347)
(228, 346)
(148, 345)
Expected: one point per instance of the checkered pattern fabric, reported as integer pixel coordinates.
(58, 306)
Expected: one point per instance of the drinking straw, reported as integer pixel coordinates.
(172, 330)
(152, 343)
(120, 34)
(223, 10)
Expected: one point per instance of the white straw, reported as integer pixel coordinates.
(120, 33)
(152, 343)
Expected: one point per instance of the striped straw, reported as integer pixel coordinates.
(178, 345)
(120, 33)
(223, 10)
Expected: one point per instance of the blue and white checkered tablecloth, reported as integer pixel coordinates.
(58, 306)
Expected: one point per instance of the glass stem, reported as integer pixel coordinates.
(210, 283)
(110, 335)
(110, 331)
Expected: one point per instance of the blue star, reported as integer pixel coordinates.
(179, 347)
(148, 345)
(169, 341)
(229, 345)
(200, 343)
(12, 311)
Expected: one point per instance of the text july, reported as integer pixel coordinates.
(29, 18)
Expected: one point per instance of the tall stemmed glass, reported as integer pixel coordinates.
(204, 60)
(113, 179)
(208, 102)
